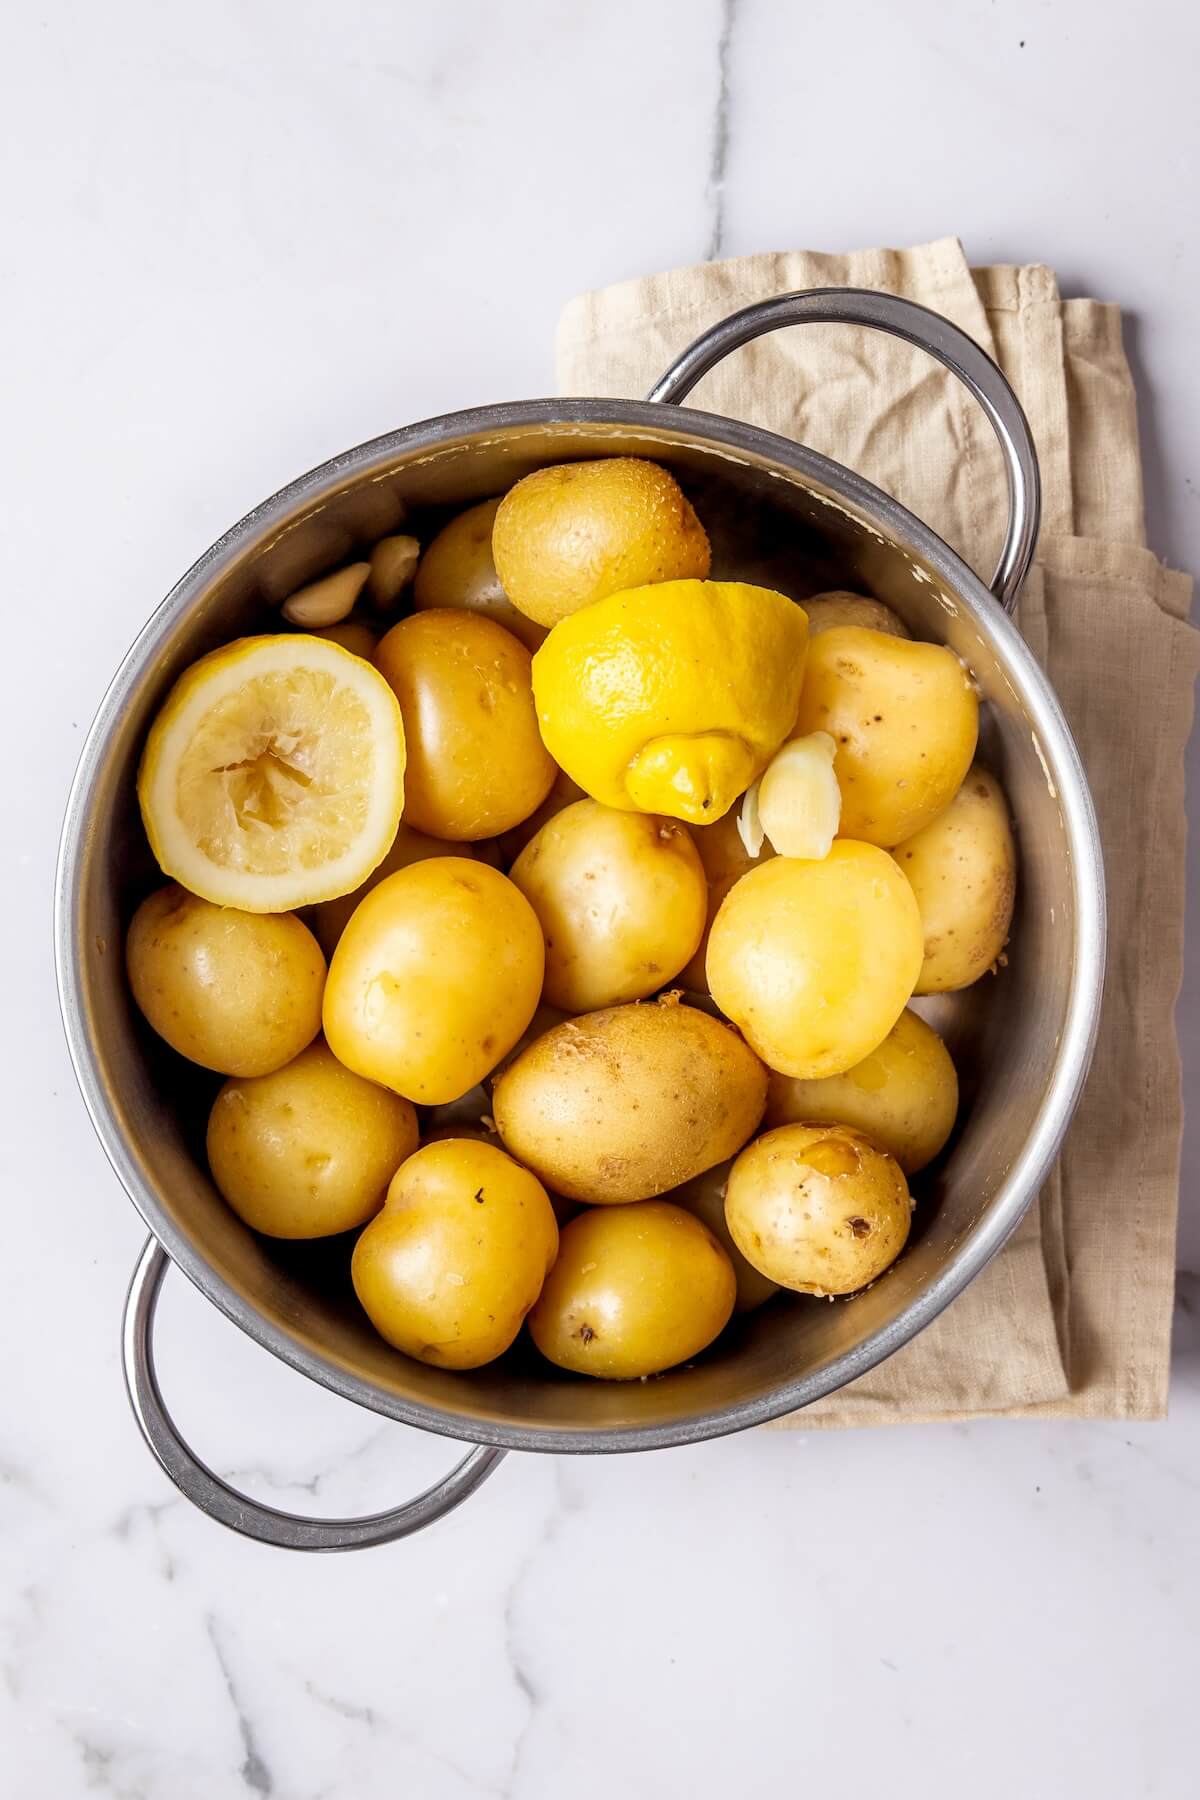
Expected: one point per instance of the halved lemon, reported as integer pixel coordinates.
(273, 777)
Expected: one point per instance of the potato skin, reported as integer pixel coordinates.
(818, 1208)
(576, 532)
(629, 1102)
(815, 961)
(331, 917)
(903, 1095)
(904, 717)
(839, 607)
(963, 870)
(476, 761)
(434, 979)
(457, 569)
(450, 1267)
(234, 991)
(621, 898)
(636, 1290)
(308, 1151)
(704, 1198)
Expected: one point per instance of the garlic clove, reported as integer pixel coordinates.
(393, 564)
(799, 804)
(328, 601)
(749, 825)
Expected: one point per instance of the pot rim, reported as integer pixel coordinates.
(714, 432)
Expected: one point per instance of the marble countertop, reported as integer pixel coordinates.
(238, 238)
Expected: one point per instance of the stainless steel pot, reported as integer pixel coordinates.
(776, 512)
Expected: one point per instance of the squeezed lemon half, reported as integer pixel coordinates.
(273, 777)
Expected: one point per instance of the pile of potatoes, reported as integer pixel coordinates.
(590, 1068)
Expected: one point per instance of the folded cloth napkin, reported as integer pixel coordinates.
(1073, 1317)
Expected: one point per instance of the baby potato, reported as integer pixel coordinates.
(704, 1198)
(903, 1096)
(815, 961)
(725, 859)
(308, 1151)
(574, 533)
(450, 1267)
(233, 991)
(904, 717)
(838, 607)
(331, 917)
(544, 1019)
(629, 1102)
(476, 761)
(621, 898)
(471, 1117)
(636, 1290)
(963, 871)
(476, 1130)
(457, 569)
(818, 1208)
(434, 978)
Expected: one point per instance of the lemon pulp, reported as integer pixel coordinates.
(273, 776)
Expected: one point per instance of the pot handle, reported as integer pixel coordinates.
(929, 331)
(197, 1483)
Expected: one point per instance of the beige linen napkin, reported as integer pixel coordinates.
(1073, 1316)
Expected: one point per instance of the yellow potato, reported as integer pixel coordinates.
(903, 1096)
(450, 1267)
(564, 793)
(332, 916)
(815, 961)
(574, 533)
(818, 1208)
(457, 569)
(704, 1197)
(825, 611)
(479, 1133)
(308, 1151)
(233, 991)
(626, 1103)
(476, 761)
(904, 717)
(352, 635)
(435, 978)
(963, 871)
(725, 859)
(544, 1020)
(621, 897)
(636, 1290)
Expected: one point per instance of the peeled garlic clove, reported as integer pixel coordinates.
(328, 601)
(799, 805)
(749, 824)
(393, 565)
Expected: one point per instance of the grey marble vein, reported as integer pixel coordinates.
(564, 1505)
(98, 1767)
(345, 1709)
(20, 1632)
(336, 1464)
(254, 1770)
(150, 1513)
(719, 155)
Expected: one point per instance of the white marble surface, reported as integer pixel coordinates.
(238, 237)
